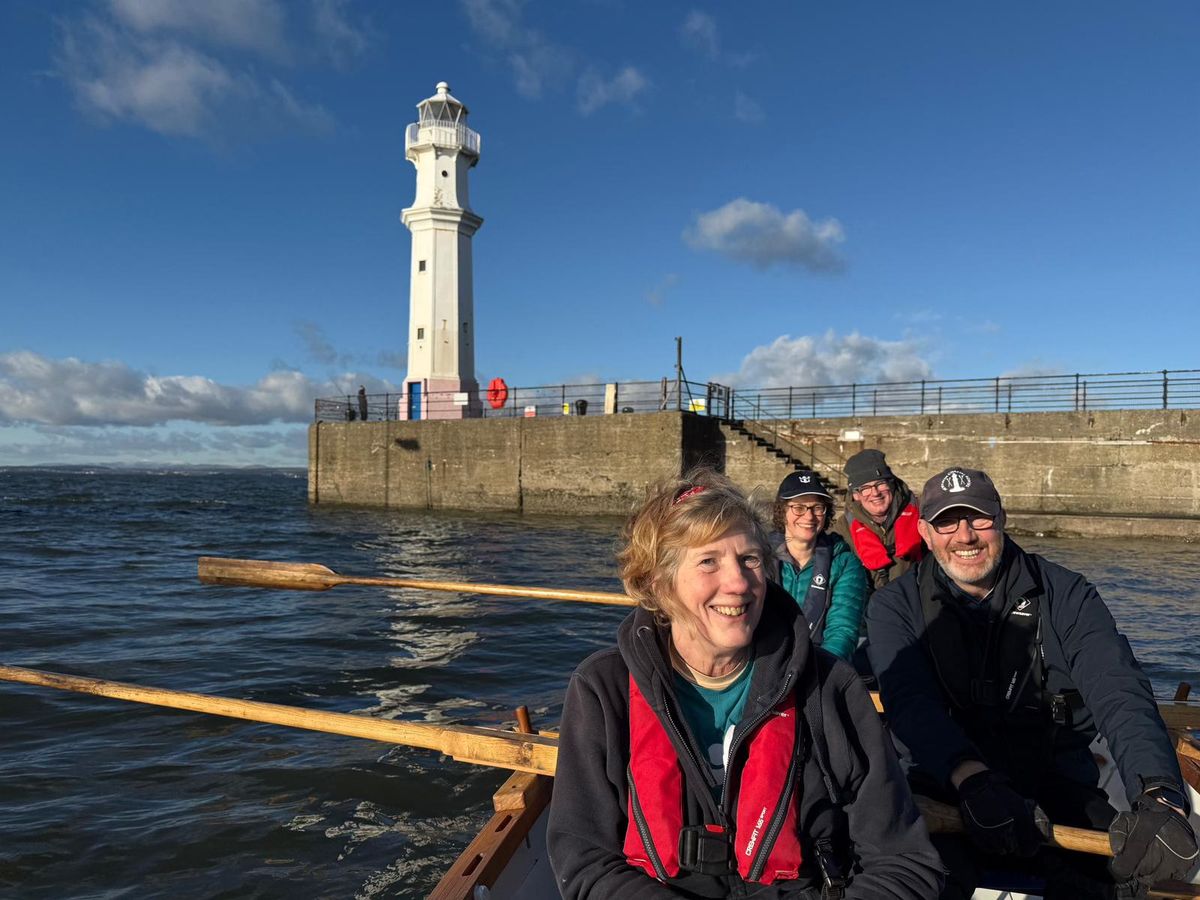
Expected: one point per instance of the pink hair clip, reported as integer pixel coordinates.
(698, 489)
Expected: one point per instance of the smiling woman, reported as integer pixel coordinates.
(817, 568)
(712, 749)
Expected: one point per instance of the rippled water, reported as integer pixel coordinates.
(104, 799)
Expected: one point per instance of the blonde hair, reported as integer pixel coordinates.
(679, 513)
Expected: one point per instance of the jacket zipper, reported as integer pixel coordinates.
(683, 741)
(643, 828)
(736, 745)
(764, 848)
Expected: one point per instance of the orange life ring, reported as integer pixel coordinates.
(497, 393)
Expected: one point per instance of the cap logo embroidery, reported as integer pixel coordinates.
(955, 482)
(804, 479)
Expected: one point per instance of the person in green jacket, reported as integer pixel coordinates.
(817, 568)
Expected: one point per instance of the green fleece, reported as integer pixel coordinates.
(847, 591)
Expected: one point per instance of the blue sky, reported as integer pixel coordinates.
(199, 202)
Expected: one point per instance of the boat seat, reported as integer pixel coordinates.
(1012, 882)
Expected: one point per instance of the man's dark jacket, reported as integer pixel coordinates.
(878, 827)
(1082, 651)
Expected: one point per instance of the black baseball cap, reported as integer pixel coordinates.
(959, 487)
(801, 483)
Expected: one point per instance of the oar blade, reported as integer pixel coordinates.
(261, 573)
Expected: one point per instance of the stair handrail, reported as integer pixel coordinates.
(836, 467)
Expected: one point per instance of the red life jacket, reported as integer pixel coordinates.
(873, 553)
(656, 802)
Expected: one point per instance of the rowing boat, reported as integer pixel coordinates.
(508, 858)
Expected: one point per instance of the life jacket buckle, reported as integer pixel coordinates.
(705, 850)
(833, 875)
(1063, 706)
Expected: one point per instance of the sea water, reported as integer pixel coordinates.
(105, 799)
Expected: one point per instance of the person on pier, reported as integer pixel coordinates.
(816, 567)
(714, 751)
(880, 521)
(997, 669)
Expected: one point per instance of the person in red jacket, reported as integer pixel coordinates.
(714, 752)
(880, 521)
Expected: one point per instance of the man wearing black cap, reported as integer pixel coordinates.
(997, 669)
(880, 522)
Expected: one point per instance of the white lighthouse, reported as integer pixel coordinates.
(441, 322)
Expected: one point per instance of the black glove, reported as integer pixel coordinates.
(998, 819)
(1152, 843)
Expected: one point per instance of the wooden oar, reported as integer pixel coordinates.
(316, 577)
(941, 817)
(1178, 714)
(481, 746)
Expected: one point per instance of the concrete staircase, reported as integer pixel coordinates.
(754, 454)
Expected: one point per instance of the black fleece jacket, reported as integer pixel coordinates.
(877, 827)
(1082, 651)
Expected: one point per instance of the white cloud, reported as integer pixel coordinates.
(1034, 368)
(38, 390)
(536, 62)
(255, 25)
(699, 32)
(190, 69)
(657, 295)
(747, 110)
(622, 88)
(283, 445)
(828, 359)
(392, 359)
(763, 235)
(339, 38)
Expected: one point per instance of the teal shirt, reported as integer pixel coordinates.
(711, 716)
(847, 596)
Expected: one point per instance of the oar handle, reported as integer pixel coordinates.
(941, 817)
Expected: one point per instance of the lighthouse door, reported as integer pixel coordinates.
(414, 399)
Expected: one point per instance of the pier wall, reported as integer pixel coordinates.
(562, 464)
(1103, 473)
(1109, 473)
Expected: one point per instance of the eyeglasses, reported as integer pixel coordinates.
(874, 487)
(799, 509)
(949, 524)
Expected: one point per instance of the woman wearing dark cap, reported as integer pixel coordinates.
(818, 568)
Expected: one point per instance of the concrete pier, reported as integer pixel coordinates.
(1105, 473)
